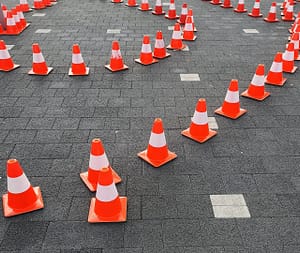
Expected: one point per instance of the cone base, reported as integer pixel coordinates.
(194, 38)
(121, 217)
(29, 10)
(201, 139)
(271, 20)
(287, 19)
(292, 71)
(15, 33)
(240, 11)
(41, 8)
(255, 16)
(176, 49)
(14, 67)
(93, 186)
(213, 3)
(276, 84)
(236, 116)
(140, 9)
(158, 13)
(171, 18)
(247, 95)
(134, 5)
(38, 204)
(87, 70)
(226, 7)
(116, 2)
(146, 64)
(162, 57)
(297, 59)
(125, 67)
(38, 74)
(156, 163)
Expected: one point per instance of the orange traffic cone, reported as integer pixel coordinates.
(4, 11)
(172, 11)
(256, 89)
(160, 51)
(116, 60)
(98, 160)
(107, 206)
(215, 2)
(226, 4)
(231, 105)
(11, 26)
(295, 41)
(199, 129)
(190, 13)
(275, 75)
(158, 10)
(240, 7)
(25, 6)
(38, 4)
(289, 13)
(176, 41)
(39, 65)
(17, 19)
(188, 31)
(272, 14)
(131, 3)
(288, 59)
(157, 153)
(145, 6)
(183, 15)
(21, 197)
(23, 21)
(255, 10)
(6, 62)
(146, 57)
(117, 1)
(78, 67)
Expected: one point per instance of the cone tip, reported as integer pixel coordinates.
(260, 69)
(158, 126)
(97, 147)
(201, 105)
(36, 48)
(2, 45)
(146, 39)
(159, 35)
(76, 49)
(115, 45)
(105, 176)
(234, 85)
(13, 168)
(278, 57)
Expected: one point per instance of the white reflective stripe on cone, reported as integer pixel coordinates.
(258, 80)
(288, 56)
(106, 193)
(256, 5)
(77, 58)
(98, 162)
(184, 11)
(158, 3)
(11, 22)
(172, 7)
(232, 97)
(296, 44)
(23, 2)
(38, 58)
(4, 54)
(188, 27)
(276, 67)
(200, 118)
(17, 184)
(144, 1)
(159, 44)
(241, 1)
(176, 35)
(17, 18)
(157, 140)
(146, 48)
(5, 13)
(273, 9)
(20, 14)
(116, 54)
(290, 8)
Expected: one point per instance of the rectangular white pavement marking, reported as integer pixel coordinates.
(250, 31)
(212, 123)
(113, 31)
(189, 77)
(39, 15)
(43, 31)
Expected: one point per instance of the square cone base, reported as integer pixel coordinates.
(14, 67)
(292, 71)
(38, 204)
(171, 18)
(240, 11)
(166, 56)
(239, 114)
(287, 20)
(213, 3)
(276, 84)
(87, 70)
(33, 73)
(255, 16)
(125, 67)
(194, 38)
(247, 95)
(156, 163)
(201, 139)
(140, 9)
(176, 49)
(121, 217)
(271, 21)
(226, 7)
(93, 186)
(158, 13)
(139, 61)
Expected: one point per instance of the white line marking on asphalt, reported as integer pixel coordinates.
(43, 31)
(250, 31)
(212, 123)
(189, 77)
(113, 31)
(39, 15)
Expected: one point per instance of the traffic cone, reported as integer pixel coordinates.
(183, 15)
(38, 4)
(107, 206)
(4, 11)
(98, 160)
(256, 89)
(172, 11)
(17, 19)
(190, 13)
(23, 21)
(158, 10)
(11, 26)
(117, 1)
(199, 129)
(157, 152)
(131, 3)
(240, 7)
(144, 6)
(146, 57)
(215, 2)
(116, 60)
(275, 75)
(188, 31)
(272, 14)
(289, 13)
(39, 65)
(176, 41)
(160, 51)
(6, 62)
(283, 5)
(288, 59)
(25, 6)
(231, 105)
(295, 41)
(21, 196)
(255, 10)
(78, 67)
(226, 4)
